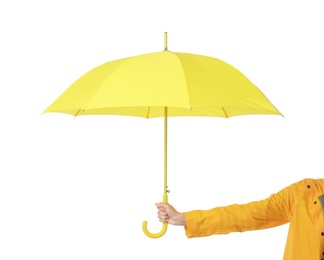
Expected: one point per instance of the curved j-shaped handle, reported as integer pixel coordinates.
(164, 227)
(154, 235)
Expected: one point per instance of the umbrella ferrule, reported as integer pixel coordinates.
(165, 41)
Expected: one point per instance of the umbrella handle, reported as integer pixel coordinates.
(156, 235)
(165, 225)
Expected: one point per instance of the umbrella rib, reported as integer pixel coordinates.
(78, 112)
(148, 112)
(224, 112)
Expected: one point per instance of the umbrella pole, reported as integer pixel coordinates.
(165, 187)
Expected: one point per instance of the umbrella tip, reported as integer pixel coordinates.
(165, 41)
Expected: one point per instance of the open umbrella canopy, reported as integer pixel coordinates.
(188, 84)
(164, 84)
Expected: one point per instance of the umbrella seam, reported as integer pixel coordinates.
(86, 104)
(266, 98)
(185, 76)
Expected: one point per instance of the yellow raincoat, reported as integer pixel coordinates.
(300, 204)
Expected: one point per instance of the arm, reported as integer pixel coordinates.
(271, 212)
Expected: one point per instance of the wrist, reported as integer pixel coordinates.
(181, 220)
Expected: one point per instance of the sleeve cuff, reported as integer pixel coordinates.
(192, 224)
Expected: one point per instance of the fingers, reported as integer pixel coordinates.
(162, 212)
(161, 205)
(163, 217)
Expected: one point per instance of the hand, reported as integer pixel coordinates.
(168, 214)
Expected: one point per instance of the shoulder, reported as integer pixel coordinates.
(303, 187)
(304, 184)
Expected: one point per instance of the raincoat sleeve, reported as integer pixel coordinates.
(273, 211)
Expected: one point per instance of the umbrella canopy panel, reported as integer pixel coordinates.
(188, 84)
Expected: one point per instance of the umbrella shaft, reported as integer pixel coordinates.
(165, 196)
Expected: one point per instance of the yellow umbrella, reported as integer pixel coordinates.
(163, 84)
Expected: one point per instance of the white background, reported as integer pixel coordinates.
(79, 188)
